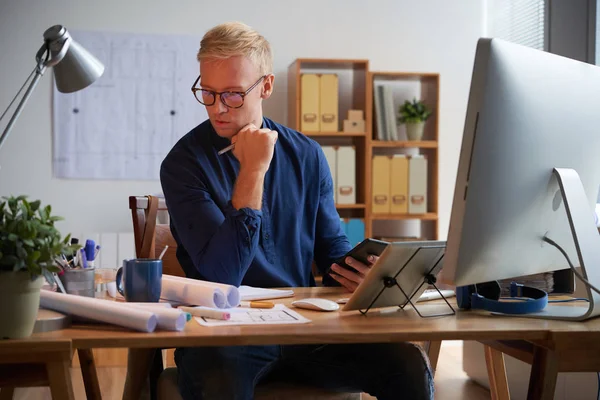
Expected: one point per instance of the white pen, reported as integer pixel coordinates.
(206, 312)
(226, 149)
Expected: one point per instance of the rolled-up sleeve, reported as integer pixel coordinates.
(220, 243)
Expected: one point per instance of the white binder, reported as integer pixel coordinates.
(331, 156)
(417, 184)
(346, 175)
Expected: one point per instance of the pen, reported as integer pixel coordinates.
(226, 149)
(206, 312)
(257, 304)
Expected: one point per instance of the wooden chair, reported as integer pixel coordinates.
(150, 240)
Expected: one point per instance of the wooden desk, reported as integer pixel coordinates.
(552, 340)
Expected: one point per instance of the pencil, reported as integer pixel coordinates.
(206, 312)
(257, 304)
(226, 149)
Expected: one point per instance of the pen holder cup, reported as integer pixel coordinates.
(80, 282)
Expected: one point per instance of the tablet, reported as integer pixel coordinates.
(409, 262)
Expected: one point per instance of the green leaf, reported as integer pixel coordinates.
(35, 205)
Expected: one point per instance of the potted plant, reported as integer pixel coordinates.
(29, 244)
(414, 114)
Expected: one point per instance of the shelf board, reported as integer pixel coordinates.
(426, 217)
(334, 134)
(349, 206)
(425, 144)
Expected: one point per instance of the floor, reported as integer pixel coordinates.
(451, 383)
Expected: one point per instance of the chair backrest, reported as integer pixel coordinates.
(150, 237)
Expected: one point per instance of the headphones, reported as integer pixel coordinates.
(486, 296)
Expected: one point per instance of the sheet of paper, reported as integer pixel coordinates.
(123, 125)
(277, 315)
(253, 293)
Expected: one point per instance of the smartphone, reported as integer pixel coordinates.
(361, 251)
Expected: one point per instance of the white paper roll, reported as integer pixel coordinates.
(169, 319)
(108, 311)
(199, 293)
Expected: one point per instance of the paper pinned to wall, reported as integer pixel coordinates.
(123, 125)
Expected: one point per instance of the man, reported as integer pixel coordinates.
(259, 215)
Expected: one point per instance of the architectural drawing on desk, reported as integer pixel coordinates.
(122, 126)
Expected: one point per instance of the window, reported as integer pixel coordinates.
(518, 21)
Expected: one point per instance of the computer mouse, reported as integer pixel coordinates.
(313, 303)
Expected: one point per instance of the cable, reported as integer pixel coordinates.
(598, 397)
(553, 243)
(568, 300)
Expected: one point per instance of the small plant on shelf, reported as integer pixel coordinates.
(414, 114)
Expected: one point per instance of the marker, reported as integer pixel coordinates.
(257, 304)
(206, 312)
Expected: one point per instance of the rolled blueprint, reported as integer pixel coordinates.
(169, 319)
(108, 311)
(199, 293)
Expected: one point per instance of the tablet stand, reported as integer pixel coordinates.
(428, 278)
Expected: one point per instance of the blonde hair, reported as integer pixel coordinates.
(236, 39)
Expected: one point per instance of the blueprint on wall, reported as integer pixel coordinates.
(123, 125)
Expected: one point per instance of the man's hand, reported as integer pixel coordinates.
(350, 280)
(254, 148)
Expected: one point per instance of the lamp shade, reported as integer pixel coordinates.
(74, 67)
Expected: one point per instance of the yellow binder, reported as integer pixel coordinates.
(329, 103)
(381, 184)
(399, 184)
(309, 103)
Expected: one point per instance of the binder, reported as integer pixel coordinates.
(329, 103)
(331, 156)
(309, 103)
(399, 184)
(346, 175)
(355, 231)
(380, 197)
(417, 184)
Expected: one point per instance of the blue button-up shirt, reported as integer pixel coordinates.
(271, 247)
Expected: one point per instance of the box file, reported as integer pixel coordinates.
(399, 184)
(331, 156)
(346, 175)
(417, 184)
(309, 103)
(381, 184)
(329, 103)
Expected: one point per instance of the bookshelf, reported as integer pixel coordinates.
(407, 85)
(356, 84)
(353, 79)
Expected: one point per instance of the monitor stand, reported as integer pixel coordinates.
(587, 243)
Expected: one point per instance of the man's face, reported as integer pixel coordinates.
(235, 74)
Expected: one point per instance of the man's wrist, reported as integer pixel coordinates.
(248, 189)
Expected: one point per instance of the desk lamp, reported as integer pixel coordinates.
(74, 69)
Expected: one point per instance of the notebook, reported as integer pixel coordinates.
(248, 293)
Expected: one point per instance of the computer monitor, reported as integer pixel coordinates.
(531, 137)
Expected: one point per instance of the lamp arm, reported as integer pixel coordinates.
(38, 74)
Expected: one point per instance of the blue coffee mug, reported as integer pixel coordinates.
(139, 280)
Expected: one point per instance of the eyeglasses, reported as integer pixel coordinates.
(230, 99)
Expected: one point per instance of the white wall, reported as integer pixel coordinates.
(428, 35)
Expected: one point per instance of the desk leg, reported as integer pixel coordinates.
(139, 362)
(7, 393)
(59, 377)
(544, 371)
(89, 373)
(497, 374)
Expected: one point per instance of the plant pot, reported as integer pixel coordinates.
(19, 303)
(414, 130)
